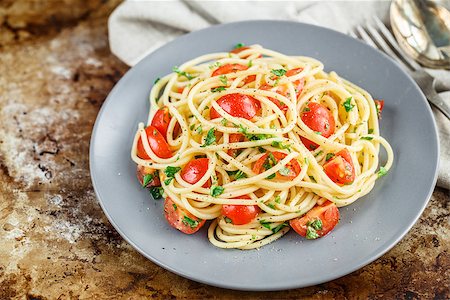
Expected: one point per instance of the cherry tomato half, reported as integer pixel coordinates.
(194, 170)
(237, 105)
(299, 83)
(180, 218)
(141, 171)
(327, 213)
(157, 143)
(340, 168)
(379, 104)
(317, 117)
(161, 120)
(265, 162)
(240, 214)
(235, 138)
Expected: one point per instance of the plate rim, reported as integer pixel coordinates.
(327, 278)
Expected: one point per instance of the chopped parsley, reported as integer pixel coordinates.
(382, 172)
(271, 176)
(279, 227)
(280, 145)
(369, 138)
(192, 127)
(316, 224)
(224, 122)
(147, 178)
(182, 73)
(189, 222)
(156, 80)
(223, 79)
(218, 89)
(271, 206)
(277, 199)
(278, 72)
(250, 63)
(199, 129)
(217, 191)
(312, 179)
(175, 207)
(318, 132)
(306, 109)
(348, 105)
(318, 153)
(170, 173)
(239, 45)
(240, 175)
(311, 234)
(156, 192)
(370, 130)
(261, 149)
(215, 65)
(210, 138)
(265, 224)
(253, 137)
(329, 156)
(228, 220)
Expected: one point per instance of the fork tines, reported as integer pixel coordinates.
(378, 36)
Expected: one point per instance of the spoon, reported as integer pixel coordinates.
(422, 28)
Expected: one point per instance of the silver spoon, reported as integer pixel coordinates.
(422, 28)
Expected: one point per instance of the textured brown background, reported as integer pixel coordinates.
(55, 242)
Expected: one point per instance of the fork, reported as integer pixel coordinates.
(380, 37)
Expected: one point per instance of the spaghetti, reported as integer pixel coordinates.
(258, 142)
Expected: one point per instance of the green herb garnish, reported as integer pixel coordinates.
(316, 224)
(239, 45)
(318, 153)
(279, 227)
(182, 73)
(278, 72)
(250, 63)
(311, 234)
(228, 220)
(156, 192)
(347, 104)
(156, 80)
(265, 224)
(285, 171)
(171, 171)
(370, 130)
(210, 138)
(382, 172)
(223, 79)
(329, 156)
(369, 138)
(189, 222)
(217, 191)
(218, 89)
(147, 178)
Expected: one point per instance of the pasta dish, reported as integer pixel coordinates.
(255, 143)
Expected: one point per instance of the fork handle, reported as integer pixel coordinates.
(440, 104)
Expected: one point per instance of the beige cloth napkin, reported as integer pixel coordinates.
(136, 28)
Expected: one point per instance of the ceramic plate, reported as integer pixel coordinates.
(368, 228)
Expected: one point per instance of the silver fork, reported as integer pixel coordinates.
(380, 37)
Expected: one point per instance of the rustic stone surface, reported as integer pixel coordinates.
(55, 72)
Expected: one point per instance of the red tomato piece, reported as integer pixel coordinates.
(340, 168)
(298, 84)
(180, 218)
(161, 120)
(237, 105)
(327, 213)
(229, 68)
(317, 117)
(141, 171)
(157, 143)
(283, 107)
(265, 163)
(379, 104)
(240, 214)
(235, 138)
(240, 49)
(194, 170)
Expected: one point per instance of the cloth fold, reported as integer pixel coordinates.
(137, 28)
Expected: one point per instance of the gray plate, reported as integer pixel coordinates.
(368, 228)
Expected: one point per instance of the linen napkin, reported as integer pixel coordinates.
(136, 28)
